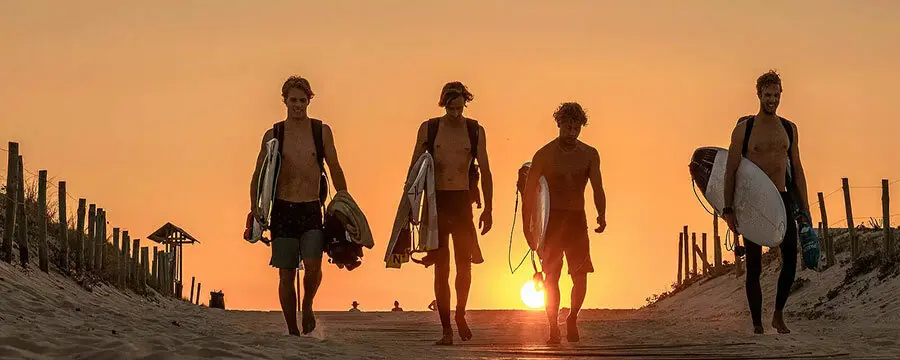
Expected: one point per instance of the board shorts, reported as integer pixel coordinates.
(454, 215)
(567, 234)
(296, 233)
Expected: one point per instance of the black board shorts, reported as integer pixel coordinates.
(296, 233)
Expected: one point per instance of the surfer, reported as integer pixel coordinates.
(397, 307)
(770, 147)
(451, 139)
(296, 223)
(567, 164)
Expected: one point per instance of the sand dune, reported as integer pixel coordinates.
(49, 316)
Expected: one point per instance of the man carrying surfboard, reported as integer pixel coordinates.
(567, 164)
(296, 223)
(456, 142)
(770, 142)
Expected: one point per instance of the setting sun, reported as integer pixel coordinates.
(531, 296)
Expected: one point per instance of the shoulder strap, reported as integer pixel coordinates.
(472, 127)
(749, 120)
(433, 125)
(320, 159)
(790, 133)
(278, 133)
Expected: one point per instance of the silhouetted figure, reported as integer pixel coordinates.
(355, 307)
(433, 305)
(397, 306)
(567, 164)
(770, 142)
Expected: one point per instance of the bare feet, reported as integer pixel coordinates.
(294, 332)
(308, 321)
(759, 330)
(464, 332)
(572, 330)
(447, 339)
(778, 323)
(554, 336)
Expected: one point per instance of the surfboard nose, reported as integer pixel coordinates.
(701, 166)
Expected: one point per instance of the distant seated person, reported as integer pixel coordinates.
(397, 306)
(433, 305)
(354, 308)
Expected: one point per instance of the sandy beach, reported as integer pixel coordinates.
(47, 316)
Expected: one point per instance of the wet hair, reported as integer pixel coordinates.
(296, 82)
(769, 78)
(452, 91)
(572, 111)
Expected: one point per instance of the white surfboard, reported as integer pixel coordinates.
(541, 215)
(265, 193)
(760, 212)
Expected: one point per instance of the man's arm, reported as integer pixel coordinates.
(254, 182)
(800, 175)
(331, 158)
(599, 193)
(734, 161)
(487, 181)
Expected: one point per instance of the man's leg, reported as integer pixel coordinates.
(754, 291)
(442, 287)
(463, 243)
(311, 243)
(285, 257)
(786, 277)
(578, 255)
(551, 301)
(288, 298)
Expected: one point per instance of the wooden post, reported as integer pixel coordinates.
(145, 262)
(680, 259)
(694, 253)
(79, 237)
(687, 270)
(44, 261)
(117, 274)
(705, 256)
(22, 217)
(12, 186)
(89, 243)
(886, 211)
(198, 293)
(162, 272)
(191, 301)
(180, 287)
(126, 260)
(135, 247)
(63, 235)
(98, 234)
(854, 243)
(829, 243)
(172, 273)
(717, 243)
(154, 279)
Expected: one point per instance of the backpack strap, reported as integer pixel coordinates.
(791, 184)
(320, 159)
(278, 133)
(749, 120)
(432, 125)
(472, 128)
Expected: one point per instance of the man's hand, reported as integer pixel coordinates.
(731, 220)
(601, 225)
(486, 221)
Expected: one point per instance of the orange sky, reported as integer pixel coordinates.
(155, 112)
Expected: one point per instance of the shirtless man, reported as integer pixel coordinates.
(296, 223)
(567, 164)
(452, 161)
(769, 147)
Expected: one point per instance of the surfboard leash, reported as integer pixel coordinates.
(511, 233)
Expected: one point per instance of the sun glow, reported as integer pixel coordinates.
(531, 296)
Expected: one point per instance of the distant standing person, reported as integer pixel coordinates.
(355, 307)
(296, 223)
(770, 142)
(567, 164)
(397, 307)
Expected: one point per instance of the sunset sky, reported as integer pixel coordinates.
(155, 111)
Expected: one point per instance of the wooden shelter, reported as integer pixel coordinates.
(173, 237)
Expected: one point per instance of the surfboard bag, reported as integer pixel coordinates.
(809, 239)
(418, 189)
(474, 175)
